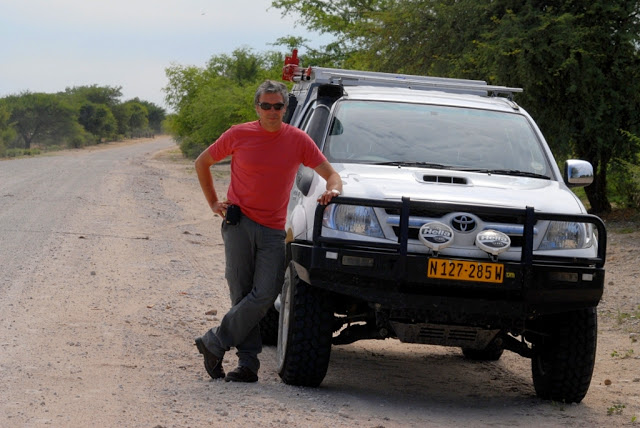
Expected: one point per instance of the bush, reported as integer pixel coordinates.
(624, 183)
(191, 149)
(78, 137)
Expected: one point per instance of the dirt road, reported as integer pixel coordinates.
(110, 260)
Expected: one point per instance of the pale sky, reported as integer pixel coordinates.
(49, 45)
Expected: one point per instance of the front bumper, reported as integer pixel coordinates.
(396, 279)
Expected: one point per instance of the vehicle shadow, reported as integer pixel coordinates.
(427, 373)
(407, 382)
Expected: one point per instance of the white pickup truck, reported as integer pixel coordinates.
(456, 227)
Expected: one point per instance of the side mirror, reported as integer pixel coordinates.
(304, 177)
(578, 173)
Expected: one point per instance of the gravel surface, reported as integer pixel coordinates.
(112, 263)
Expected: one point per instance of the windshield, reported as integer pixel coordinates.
(433, 136)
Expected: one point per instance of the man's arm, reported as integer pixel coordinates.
(203, 163)
(334, 182)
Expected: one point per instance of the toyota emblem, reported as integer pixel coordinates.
(463, 223)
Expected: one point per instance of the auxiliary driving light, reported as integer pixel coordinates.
(493, 241)
(436, 235)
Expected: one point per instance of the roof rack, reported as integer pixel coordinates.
(294, 73)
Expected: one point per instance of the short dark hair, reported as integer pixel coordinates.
(272, 87)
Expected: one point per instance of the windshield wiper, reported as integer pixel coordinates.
(515, 172)
(415, 164)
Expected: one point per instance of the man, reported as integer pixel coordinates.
(265, 157)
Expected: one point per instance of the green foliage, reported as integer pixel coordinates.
(624, 176)
(132, 118)
(209, 100)
(98, 119)
(616, 409)
(39, 118)
(579, 65)
(155, 115)
(7, 133)
(12, 153)
(75, 118)
(138, 120)
(624, 183)
(107, 95)
(122, 113)
(332, 55)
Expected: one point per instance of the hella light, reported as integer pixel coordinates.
(353, 219)
(436, 235)
(562, 235)
(493, 242)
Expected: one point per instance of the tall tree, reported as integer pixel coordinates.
(39, 117)
(132, 117)
(156, 115)
(98, 120)
(580, 66)
(139, 117)
(108, 95)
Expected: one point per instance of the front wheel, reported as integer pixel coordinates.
(564, 356)
(305, 332)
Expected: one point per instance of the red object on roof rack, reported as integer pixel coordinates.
(292, 71)
(291, 66)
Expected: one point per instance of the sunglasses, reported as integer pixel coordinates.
(267, 106)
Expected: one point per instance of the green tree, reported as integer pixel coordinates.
(155, 114)
(41, 118)
(209, 100)
(107, 95)
(579, 64)
(132, 118)
(139, 117)
(354, 24)
(122, 113)
(331, 55)
(7, 133)
(577, 60)
(98, 120)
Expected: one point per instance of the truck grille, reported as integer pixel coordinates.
(511, 225)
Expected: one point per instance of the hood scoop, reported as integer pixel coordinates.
(443, 179)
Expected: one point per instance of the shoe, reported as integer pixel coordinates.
(241, 374)
(212, 364)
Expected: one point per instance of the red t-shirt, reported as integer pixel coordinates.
(263, 168)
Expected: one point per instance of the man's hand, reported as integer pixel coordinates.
(220, 208)
(334, 182)
(327, 195)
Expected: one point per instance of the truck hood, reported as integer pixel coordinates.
(458, 187)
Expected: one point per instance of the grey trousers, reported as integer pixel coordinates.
(254, 271)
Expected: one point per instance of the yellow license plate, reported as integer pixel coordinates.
(465, 271)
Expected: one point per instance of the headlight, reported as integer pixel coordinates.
(562, 235)
(353, 219)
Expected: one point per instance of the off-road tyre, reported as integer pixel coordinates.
(563, 358)
(306, 329)
(492, 352)
(269, 327)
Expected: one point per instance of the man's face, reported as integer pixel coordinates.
(270, 119)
